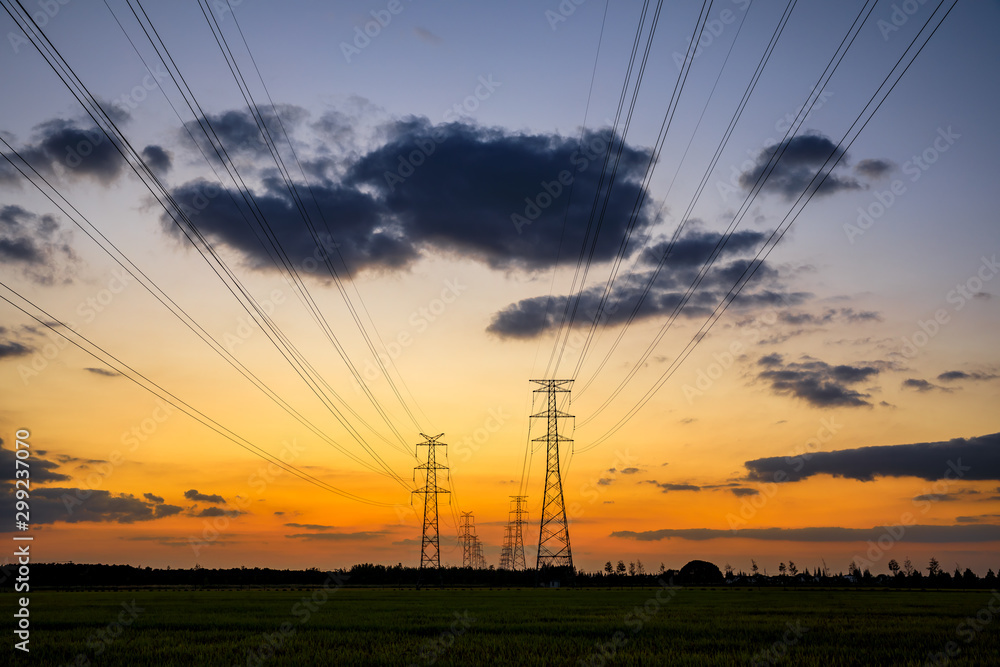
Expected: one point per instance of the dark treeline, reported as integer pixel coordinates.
(634, 574)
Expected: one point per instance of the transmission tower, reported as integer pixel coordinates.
(553, 531)
(518, 521)
(467, 533)
(480, 561)
(430, 544)
(505, 550)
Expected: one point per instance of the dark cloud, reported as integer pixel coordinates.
(954, 376)
(209, 512)
(912, 534)
(921, 385)
(536, 316)
(73, 151)
(341, 537)
(426, 35)
(666, 487)
(42, 471)
(159, 159)
(630, 471)
(874, 168)
(36, 245)
(696, 247)
(817, 382)
(801, 158)
(309, 526)
(103, 371)
(193, 494)
(448, 189)
(75, 505)
(962, 458)
(153, 498)
(606, 481)
(469, 195)
(773, 359)
(12, 348)
(937, 497)
(980, 518)
(742, 491)
(160, 510)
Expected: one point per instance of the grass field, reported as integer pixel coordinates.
(521, 627)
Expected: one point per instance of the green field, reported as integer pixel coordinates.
(351, 626)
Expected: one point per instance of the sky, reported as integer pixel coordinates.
(344, 225)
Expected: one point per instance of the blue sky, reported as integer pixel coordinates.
(870, 263)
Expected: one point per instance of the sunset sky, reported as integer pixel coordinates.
(450, 162)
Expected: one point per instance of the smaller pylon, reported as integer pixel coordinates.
(518, 521)
(505, 550)
(480, 561)
(467, 533)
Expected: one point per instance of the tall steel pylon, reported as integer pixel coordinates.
(430, 544)
(518, 521)
(467, 533)
(553, 530)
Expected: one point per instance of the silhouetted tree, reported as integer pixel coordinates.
(639, 569)
(908, 568)
(620, 567)
(631, 568)
(781, 569)
(609, 569)
(933, 568)
(753, 567)
(792, 569)
(894, 567)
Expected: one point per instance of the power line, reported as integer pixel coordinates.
(173, 209)
(808, 193)
(58, 327)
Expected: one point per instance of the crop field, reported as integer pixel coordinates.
(642, 626)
